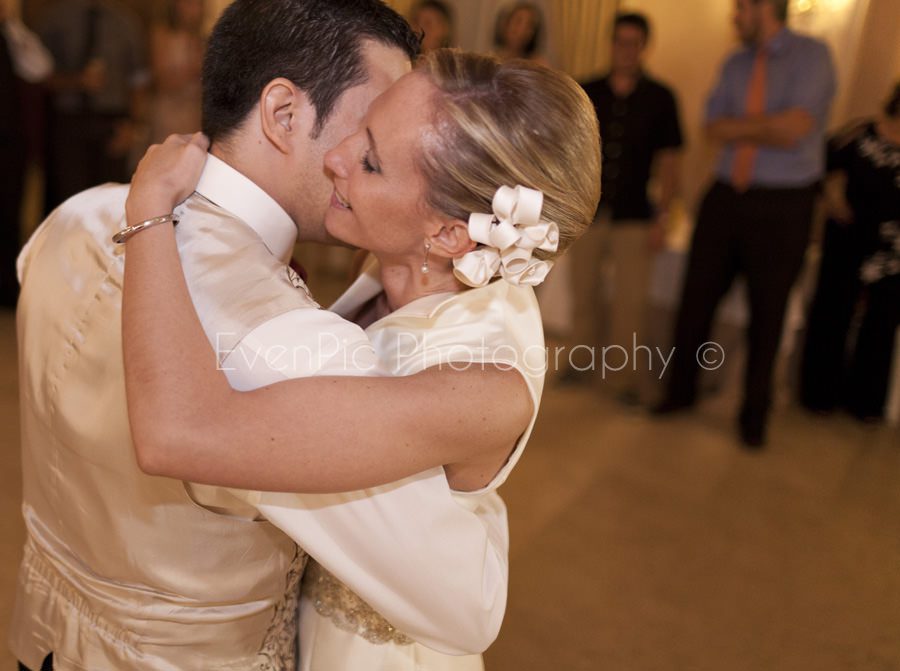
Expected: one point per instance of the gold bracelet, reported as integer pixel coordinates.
(126, 233)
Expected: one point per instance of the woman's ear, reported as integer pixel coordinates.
(286, 114)
(452, 240)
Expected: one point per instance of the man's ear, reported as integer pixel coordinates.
(452, 240)
(286, 115)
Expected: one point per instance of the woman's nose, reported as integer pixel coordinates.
(336, 159)
(334, 163)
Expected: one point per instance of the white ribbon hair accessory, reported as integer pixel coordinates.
(508, 239)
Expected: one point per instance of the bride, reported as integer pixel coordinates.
(466, 180)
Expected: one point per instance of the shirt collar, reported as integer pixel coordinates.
(229, 189)
(778, 43)
(639, 80)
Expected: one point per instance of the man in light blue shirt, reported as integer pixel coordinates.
(768, 111)
(790, 134)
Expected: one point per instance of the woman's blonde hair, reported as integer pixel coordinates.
(513, 123)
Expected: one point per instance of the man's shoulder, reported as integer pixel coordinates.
(98, 212)
(595, 87)
(735, 58)
(104, 198)
(809, 43)
(236, 282)
(658, 88)
(206, 230)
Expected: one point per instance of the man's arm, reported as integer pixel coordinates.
(782, 129)
(667, 167)
(668, 173)
(811, 91)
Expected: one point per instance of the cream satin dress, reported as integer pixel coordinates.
(498, 324)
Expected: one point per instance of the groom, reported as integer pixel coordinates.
(126, 571)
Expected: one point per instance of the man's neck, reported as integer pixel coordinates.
(767, 33)
(624, 81)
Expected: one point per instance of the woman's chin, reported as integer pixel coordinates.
(340, 233)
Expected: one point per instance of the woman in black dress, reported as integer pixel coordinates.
(860, 263)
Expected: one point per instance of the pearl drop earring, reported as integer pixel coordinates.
(425, 262)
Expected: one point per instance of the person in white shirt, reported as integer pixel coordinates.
(466, 179)
(122, 570)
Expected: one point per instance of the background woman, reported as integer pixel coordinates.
(434, 20)
(519, 33)
(860, 259)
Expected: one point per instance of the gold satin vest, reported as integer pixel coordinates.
(123, 570)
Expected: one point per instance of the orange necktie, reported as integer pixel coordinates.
(745, 152)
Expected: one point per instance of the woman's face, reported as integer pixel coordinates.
(378, 201)
(434, 25)
(520, 29)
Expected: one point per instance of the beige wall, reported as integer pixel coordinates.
(877, 66)
(214, 8)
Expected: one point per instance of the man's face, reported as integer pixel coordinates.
(748, 20)
(384, 65)
(628, 47)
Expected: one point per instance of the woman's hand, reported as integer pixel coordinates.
(834, 195)
(166, 176)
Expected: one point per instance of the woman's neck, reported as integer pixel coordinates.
(404, 281)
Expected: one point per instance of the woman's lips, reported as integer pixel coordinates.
(339, 201)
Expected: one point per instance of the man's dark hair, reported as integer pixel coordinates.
(316, 44)
(781, 8)
(635, 20)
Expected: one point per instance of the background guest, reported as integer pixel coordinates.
(639, 126)
(97, 94)
(434, 20)
(23, 61)
(769, 110)
(519, 33)
(860, 249)
(176, 58)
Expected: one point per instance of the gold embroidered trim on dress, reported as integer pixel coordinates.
(279, 650)
(332, 599)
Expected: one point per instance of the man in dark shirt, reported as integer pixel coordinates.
(640, 131)
(768, 111)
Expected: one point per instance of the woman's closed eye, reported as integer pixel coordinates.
(368, 166)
